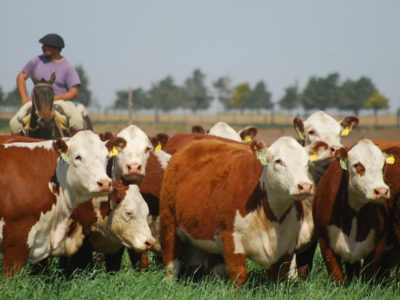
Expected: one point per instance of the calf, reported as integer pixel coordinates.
(217, 196)
(348, 211)
(41, 183)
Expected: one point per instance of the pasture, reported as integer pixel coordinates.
(152, 284)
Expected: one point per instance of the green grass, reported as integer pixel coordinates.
(133, 284)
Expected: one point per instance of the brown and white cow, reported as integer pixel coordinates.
(41, 183)
(349, 214)
(217, 196)
(222, 129)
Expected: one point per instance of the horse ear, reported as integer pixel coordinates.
(34, 79)
(53, 77)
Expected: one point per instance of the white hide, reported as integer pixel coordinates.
(361, 188)
(163, 158)
(136, 151)
(78, 182)
(48, 145)
(221, 129)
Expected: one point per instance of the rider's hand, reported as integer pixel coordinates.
(26, 100)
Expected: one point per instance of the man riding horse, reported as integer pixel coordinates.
(49, 70)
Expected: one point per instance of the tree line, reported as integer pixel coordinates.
(166, 95)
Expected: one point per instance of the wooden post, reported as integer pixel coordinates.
(130, 106)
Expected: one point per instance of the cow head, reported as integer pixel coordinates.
(287, 175)
(365, 162)
(322, 127)
(223, 130)
(131, 161)
(129, 220)
(82, 164)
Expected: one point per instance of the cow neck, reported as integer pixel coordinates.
(345, 214)
(276, 208)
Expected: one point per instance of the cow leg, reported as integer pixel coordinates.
(15, 257)
(373, 263)
(140, 260)
(40, 266)
(352, 270)
(332, 261)
(113, 261)
(304, 260)
(280, 269)
(215, 265)
(235, 262)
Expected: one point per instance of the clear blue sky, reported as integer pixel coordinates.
(122, 43)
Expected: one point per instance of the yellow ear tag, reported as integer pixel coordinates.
(64, 157)
(247, 139)
(345, 132)
(390, 159)
(313, 156)
(158, 147)
(113, 152)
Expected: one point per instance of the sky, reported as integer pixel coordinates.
(123, 43)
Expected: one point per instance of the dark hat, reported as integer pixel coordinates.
(52, 40)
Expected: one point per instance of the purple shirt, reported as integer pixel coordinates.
(42, 68)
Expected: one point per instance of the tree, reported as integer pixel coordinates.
(13, 98)
(260, 97)
(196, 93)
(140, 99)
(222, 86)
(320, 92)
(353, 94)
(291, 99)
(1, 96)
(85, 95)
(377, 102)
(240, 96)
(165, 96)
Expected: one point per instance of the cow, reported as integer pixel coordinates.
(349, 214)
(320, 134)
(41, 183)
(106, 224)
(222, 129)
(217, 196)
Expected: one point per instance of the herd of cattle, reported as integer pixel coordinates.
(204, 201)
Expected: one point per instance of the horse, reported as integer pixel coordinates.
(42, 123)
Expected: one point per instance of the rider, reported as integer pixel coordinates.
(66, 85)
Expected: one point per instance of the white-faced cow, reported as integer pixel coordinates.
(222, 129)
(41, 183)
(217, 196)
(349, 214)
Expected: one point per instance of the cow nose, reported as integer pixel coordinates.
(149, 244)
(381, 193)
(304, 188)
(104, 185)
(134, 168)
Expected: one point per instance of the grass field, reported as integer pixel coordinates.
(133, 284)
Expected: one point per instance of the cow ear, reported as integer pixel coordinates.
(60, 146)
(34, 79)
(248, 134)
(115, 145)
(159, 140)
(318, 150)
(198, 129)
(52, 78)
(105, 136)
(257, 146)
(299, 127)
(348, 124)
(341, 154)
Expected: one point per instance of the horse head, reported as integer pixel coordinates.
(42, 100)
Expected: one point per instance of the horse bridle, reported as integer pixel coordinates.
(34, 102)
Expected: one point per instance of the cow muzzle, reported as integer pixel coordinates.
(104, 185)
(304, 189)
(381, 194)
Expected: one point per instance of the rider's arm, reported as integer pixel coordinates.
(21, 85)
(71, 94)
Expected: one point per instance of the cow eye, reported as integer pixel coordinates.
(360, 169)
(78, 157)
(148, 149)
(311, 132)
(279, 162)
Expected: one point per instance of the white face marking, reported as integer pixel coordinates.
(88, 159)
(322, 127)
(347, 247)
(48, 145)
(362, 186)
(129, 220)
(221, 129)
(136, 151)
(265, 241)
(287, 169)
